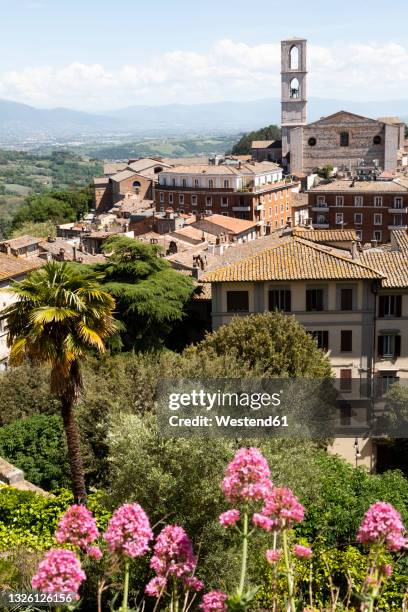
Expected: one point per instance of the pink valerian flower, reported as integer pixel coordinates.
(283, 507)
(382, 524)
(386, 569)
(94, 552)
(173, 553)
(302, 552)
(129, 531)
(77, 526)
(59, 572)
(156, 586)
(214, 601)
(192, 583)
(273, 556)
(229, 518)
(259, 520)
(247, 477)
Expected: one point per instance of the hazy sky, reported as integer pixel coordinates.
(100, 54)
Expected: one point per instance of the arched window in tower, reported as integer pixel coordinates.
(294, 58)
(344, 139)
(294, 89)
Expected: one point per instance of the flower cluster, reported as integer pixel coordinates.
(302, 552)
(247, 477)
(129, 531)
(273, 556)
(77, 526)
(173, 556)
(59, 572)
(283, 508)
(214, 601)
(229, 518)
(382, 525)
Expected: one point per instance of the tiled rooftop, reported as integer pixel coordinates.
(11, 266)
(21, 241)
(330, 235)
(360, 187)
(294, 259)
(400, 238)
(392, 264)
(209, 169)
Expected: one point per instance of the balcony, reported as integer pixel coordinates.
(398, 227)
(322, 208)
(321, 225)
(241, 208)
(259, 207)
(400, 211)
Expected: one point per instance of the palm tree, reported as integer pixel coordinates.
(60, 313)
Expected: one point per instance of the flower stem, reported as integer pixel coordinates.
(244, 553)
(174, 603)
(289, 572)
(126, 587)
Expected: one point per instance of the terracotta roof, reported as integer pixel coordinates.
(101, 180)
(145, 163)
(11, 266)
(299, 199)
(21, 241)
(392, 264)
(210, 169)
(400, 237)
(391, 120)
(296, 259)
(360, 187)
(123, 175)
(114, 167)
(232, 224)
(261, 144)
(54, 248)
(189, 232)
(329, 235)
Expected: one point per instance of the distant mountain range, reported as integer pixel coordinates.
(20, 121)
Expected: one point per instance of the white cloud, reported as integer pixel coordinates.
(228, 71)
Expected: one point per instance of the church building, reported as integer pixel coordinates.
(342, 139)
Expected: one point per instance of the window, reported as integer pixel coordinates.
(321, 200)
(378, 201)
(224, 201)
(137, 183)
(344, 139)
(184, 182)
(339, 218)
(276, 210)
(345, 407)
(181, 199)
(345, 386)
(226, 184)
(280, 299)
(346, 340)
(170, 198)
(294, 89)
(312, 142)
(281, 208)
(377, 219)
(314, 300)
(346, 298)
(321, 220)
(270, 212)
(389, 345)
(208, 211)
(359, 235)
(389, 305)
(237, 301)
(208, 201)
(377, 140)
(173, 182)
(386, 381)
(193, 200)
(322, 339)
(161, 196)
(397, 202)
(294, 58)
(163, 181)
(196, 183)
(358, 201)
(339, 200)
(398, 220)
(210, 183)
(377, 235)
(358, 218)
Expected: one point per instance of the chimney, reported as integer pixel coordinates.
(74, 253)
(354, 251)
(62, 254)
(374, 243)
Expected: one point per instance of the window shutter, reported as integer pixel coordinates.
(398, 305)
(308, 300)
(397, 350)
(326, 340)
(380, 346)
(381, 306)
(288, 300)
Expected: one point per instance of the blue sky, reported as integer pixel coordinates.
(88, 54)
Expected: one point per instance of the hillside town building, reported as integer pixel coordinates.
(252, 191)
(341, 139)
(372, 208)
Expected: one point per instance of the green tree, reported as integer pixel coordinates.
(61, 312)
(54, 206)
(271, 344)
(243, 146)
(149, 294)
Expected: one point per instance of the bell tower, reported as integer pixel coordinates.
(293, 96)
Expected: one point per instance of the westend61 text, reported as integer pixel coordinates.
(228, 421)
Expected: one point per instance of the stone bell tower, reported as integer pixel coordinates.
(293, 97)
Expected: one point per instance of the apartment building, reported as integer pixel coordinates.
(11, 269)
(253, 191)
(354, 304)
(372, 208)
